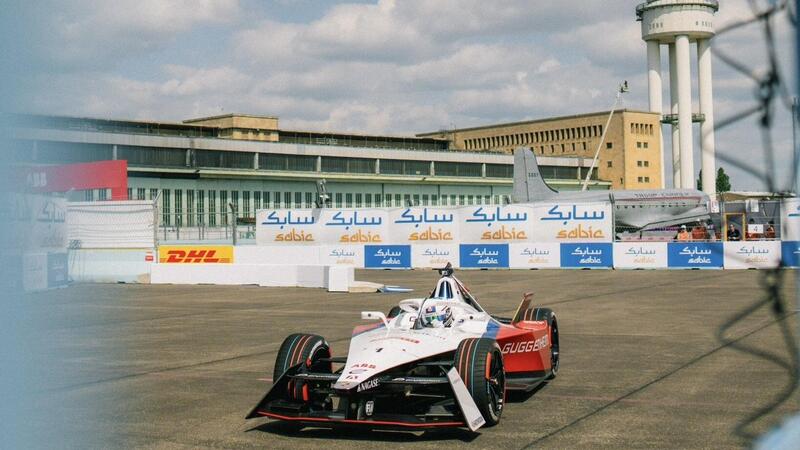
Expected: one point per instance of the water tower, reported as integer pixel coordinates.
(677, 24)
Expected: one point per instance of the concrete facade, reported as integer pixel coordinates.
(241, 126)
(194, 178)
(630, 157)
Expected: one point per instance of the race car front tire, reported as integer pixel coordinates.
(307, 349)
(479, 362)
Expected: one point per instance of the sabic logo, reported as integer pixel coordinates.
(192, 257)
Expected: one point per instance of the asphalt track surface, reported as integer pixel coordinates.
(180, 366)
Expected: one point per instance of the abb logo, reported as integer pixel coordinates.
(195, 255)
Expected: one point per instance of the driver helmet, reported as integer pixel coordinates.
(437, 316)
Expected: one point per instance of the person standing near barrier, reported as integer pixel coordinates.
(699, 232)
(683, 235)
(711, 231)
(750, 233)
(733, 233)
(769, 233)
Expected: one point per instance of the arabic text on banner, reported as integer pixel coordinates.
(570, 222)
(587, 255)
(535, 255)
(338, 255)
(387, 256)
(752, 254)
(424, 225)
(353, 226)
(433, 256)
(287, 227)
(701, 255)
(640, 255)
(483, 255)
(496, 224)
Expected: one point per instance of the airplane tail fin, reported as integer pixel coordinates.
(529, 186)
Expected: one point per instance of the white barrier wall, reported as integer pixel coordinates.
(337, 279)
(640, 255)
(752, 254)
(110, 265)
(545, 255)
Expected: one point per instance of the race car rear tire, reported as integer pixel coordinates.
(479, 361)
(552, 324)
(307, 349)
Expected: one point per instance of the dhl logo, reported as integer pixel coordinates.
(196, 255)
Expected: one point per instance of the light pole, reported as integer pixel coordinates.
(795, 152)
(623, 88)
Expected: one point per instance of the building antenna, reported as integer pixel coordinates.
(623, 88)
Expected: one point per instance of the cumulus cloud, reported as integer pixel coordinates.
(91, 33)
(388, 66)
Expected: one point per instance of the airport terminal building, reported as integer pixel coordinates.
(196, 168)
(630, 155)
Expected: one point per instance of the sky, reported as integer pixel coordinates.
(396, 67)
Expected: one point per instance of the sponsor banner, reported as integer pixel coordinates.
(587, 255)
(433, 256)
(342, 255)
(195, 254)
(640, 255)
(287, 227)
(36, 222)
(790, 253)
(497, 224)
(752, 254)
(387, 256)
(483, 255)
(535, 255)
(790, 219)
(353, 226)
(57, 270)
(424, 225)
(695, 255)
(570, 222)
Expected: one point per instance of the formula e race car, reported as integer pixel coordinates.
(439, 361)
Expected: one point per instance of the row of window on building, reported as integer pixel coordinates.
(138, 156)
(195, 207)
(642, 128)
(534, 137)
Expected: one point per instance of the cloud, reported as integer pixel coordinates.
(388, 66)
(94, 33)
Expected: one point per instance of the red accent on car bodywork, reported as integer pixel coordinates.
(361, 422)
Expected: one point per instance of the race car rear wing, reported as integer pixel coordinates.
(523, 306)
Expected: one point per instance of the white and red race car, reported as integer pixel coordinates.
(439, 361)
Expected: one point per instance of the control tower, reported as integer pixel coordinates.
(677, 24)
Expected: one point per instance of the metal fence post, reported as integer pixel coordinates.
(233, 221)
(156, 221)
